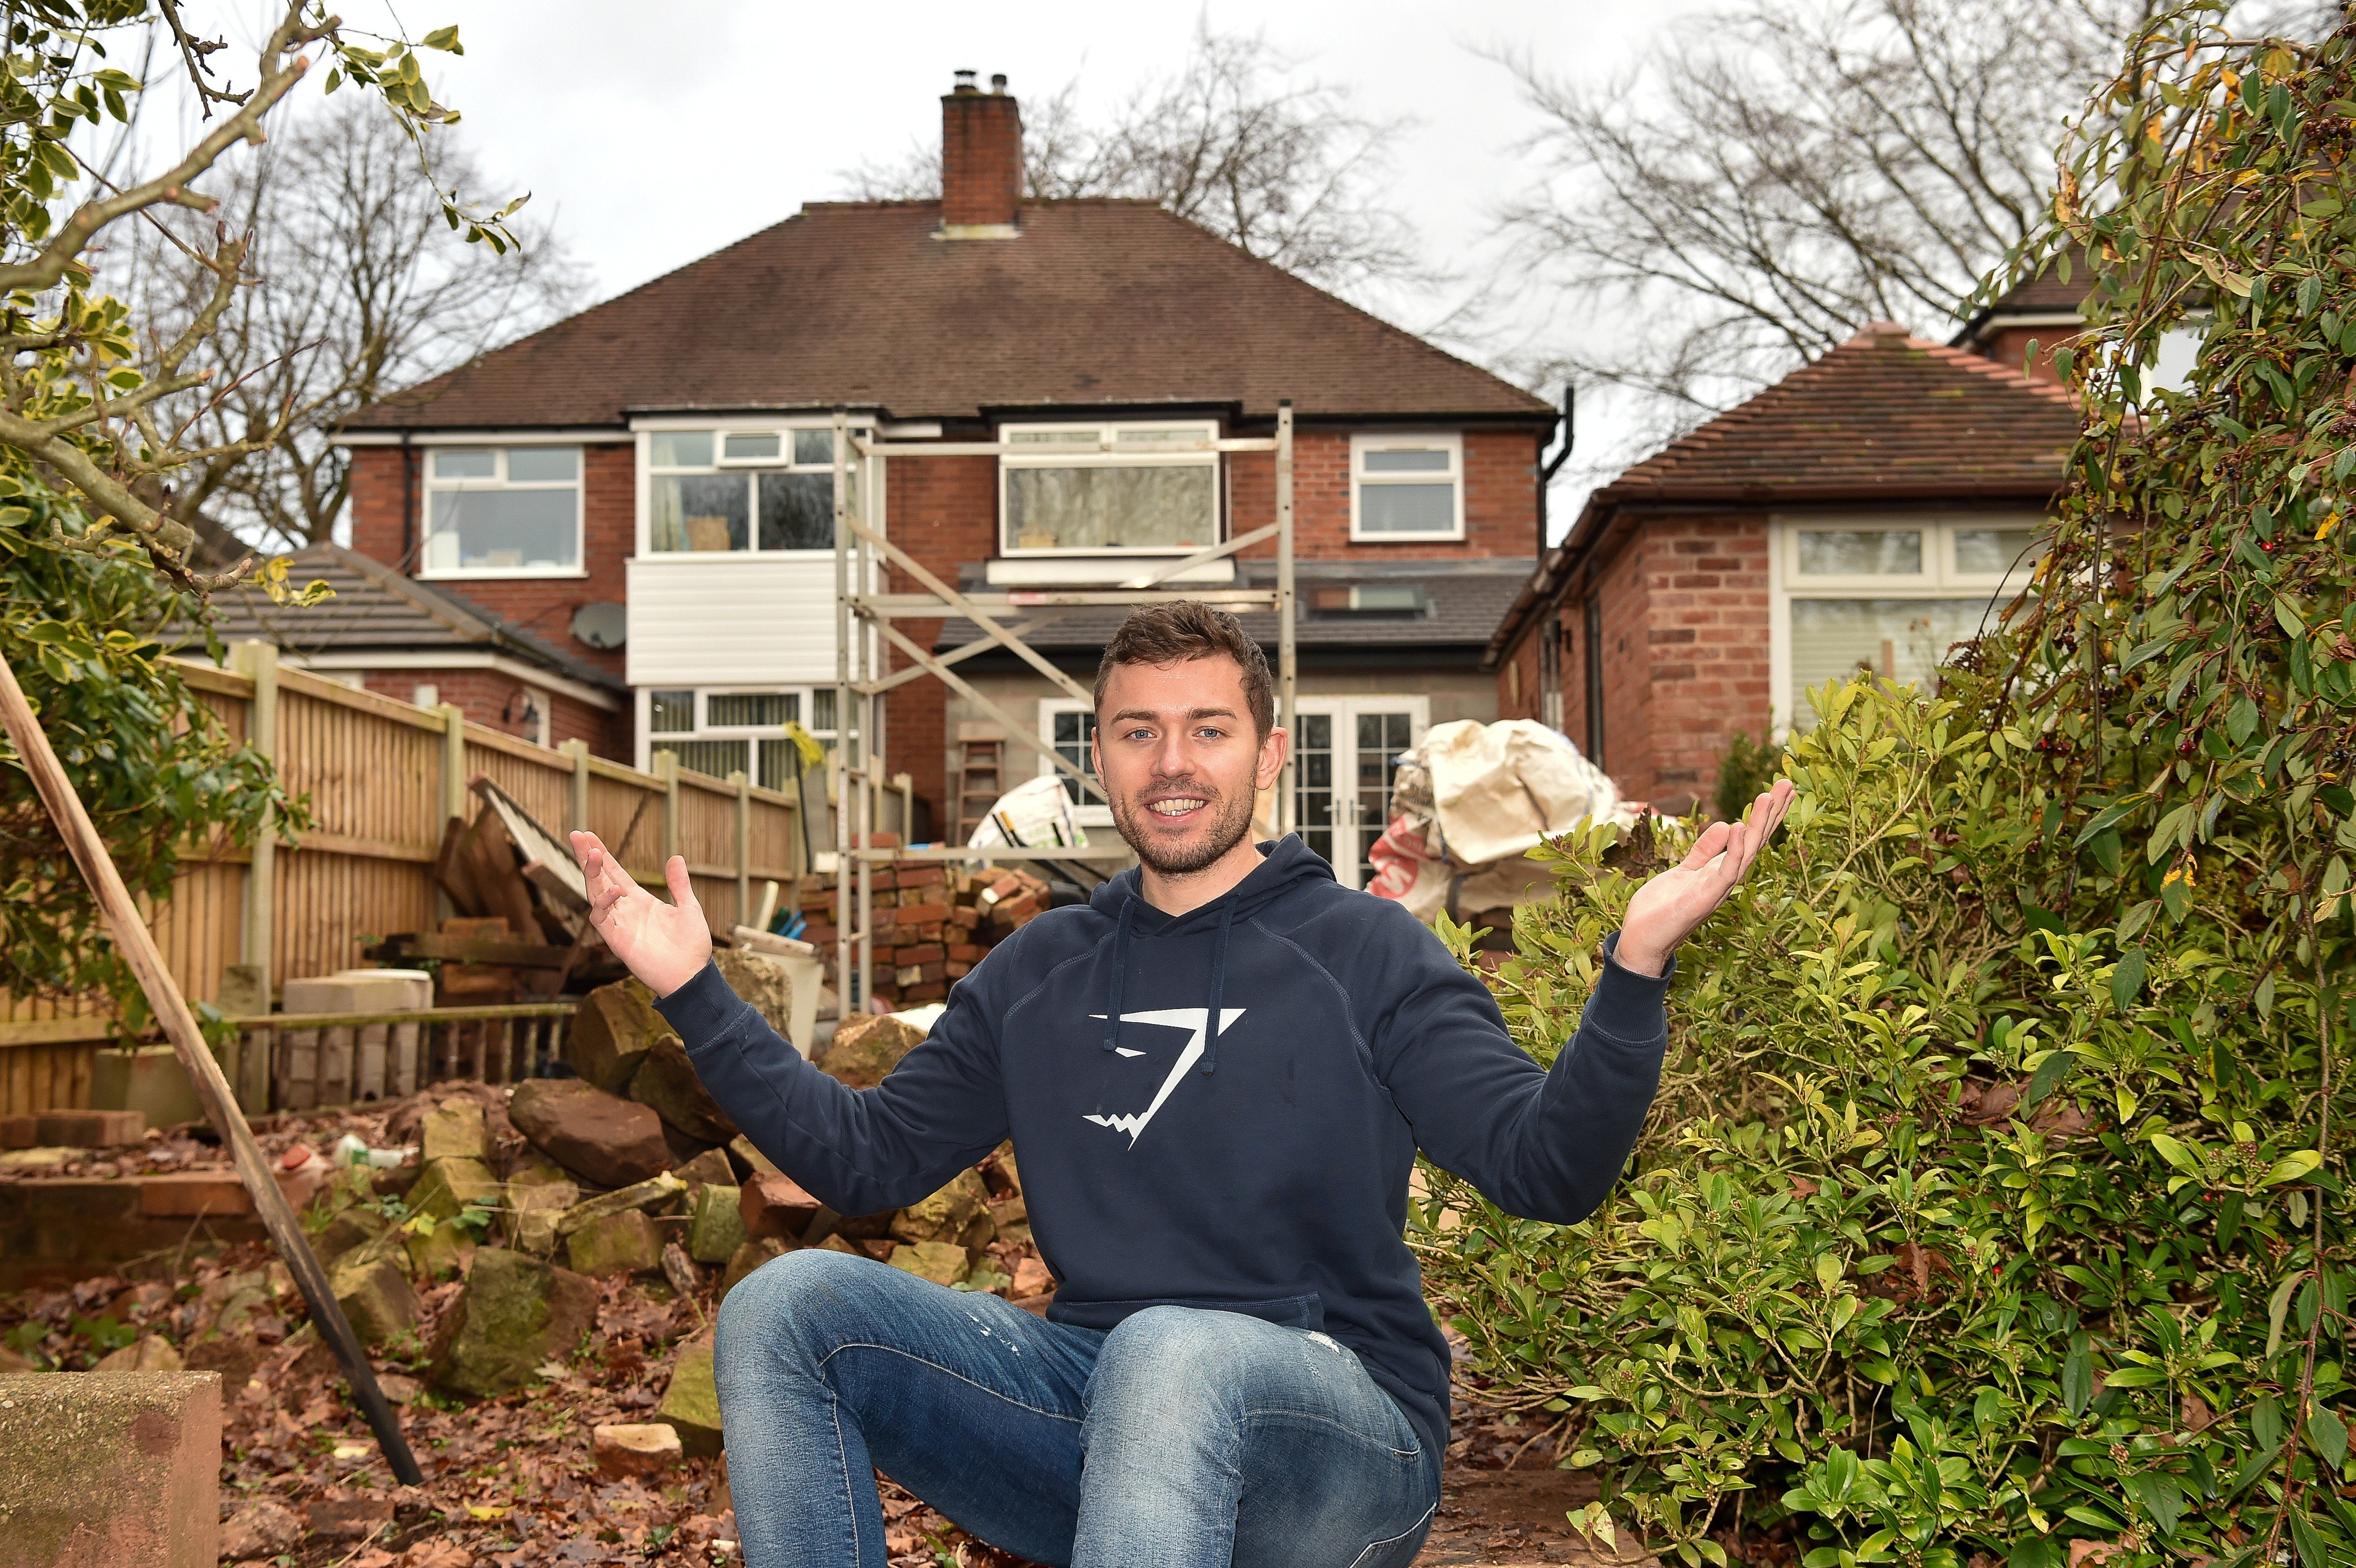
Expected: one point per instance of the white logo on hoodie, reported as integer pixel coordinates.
(1188, 1018)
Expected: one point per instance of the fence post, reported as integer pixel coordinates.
(258, 663)
(454, 761)
(578, 749)
(744, 845)
(666, 769)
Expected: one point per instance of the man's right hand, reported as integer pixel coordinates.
(665, 945)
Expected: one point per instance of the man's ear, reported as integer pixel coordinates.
(1271, 759)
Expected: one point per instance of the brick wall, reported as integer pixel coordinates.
(1501, 498)
(486, 694)
(541, 605)
(1686, 654)
(943, 511)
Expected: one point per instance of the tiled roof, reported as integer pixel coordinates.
(1882, 415)
(376, 610)
(2042, 295)
(1095, 303)
(1466, 597)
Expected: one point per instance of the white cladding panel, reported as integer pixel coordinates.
(734, 622)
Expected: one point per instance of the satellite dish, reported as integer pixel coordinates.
(605, 625)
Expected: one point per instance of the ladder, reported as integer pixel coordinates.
(981, 762)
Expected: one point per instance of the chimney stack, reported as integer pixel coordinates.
(981, 161)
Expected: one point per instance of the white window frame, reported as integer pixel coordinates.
(1104, 441)
(723, 426)
(1363, 442)
(1940, 578)
(1345, 711)
(649, 741)
(1088, 811)
(431, 487)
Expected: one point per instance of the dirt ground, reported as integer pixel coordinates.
(512, 1480)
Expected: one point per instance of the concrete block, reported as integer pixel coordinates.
(148, 1080)
(691, 1404)
(90, 1129)
(454, 1129)
(360, 991)
(645, 1448)
(110, 1469)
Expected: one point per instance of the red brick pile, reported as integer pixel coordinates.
(933, 922)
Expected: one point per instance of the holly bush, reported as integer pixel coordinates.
(1966, 1228)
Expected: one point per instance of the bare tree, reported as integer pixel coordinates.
(1282, 167)
(1765, 184)
(358, 289)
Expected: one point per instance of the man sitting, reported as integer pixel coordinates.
(1216, 1075)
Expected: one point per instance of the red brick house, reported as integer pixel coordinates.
(670, 452)
(1868, 510)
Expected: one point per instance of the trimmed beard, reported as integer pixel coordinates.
(1228, 828)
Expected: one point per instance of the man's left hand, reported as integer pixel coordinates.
(1672, 906)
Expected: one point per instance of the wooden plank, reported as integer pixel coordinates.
(56, 1031)
(396, 950)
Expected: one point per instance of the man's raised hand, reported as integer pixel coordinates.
(665, 945)
(1672, 906)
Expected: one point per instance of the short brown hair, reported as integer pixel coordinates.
(1178, 630)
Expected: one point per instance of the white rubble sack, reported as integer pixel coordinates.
(1498, 789)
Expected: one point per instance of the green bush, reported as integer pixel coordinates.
(1744, 774)
(1963, 1229)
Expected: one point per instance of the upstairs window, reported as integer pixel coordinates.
(502, 511)
(1125, 490)
(711, 492)
(1407, 487)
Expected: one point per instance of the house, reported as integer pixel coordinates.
(666, 459)
(394, 636)
(1868, 511)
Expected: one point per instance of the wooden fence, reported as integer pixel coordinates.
(381, 777)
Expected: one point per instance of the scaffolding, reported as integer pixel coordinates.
(863, 617)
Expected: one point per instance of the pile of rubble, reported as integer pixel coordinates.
(933, 922)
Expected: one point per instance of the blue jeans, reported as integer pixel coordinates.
(1182, 1438)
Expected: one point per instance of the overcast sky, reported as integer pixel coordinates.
(651, 136)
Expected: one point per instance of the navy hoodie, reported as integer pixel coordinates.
(1261, 1168)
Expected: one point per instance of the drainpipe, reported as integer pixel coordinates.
(409, 507)
(1552, 466)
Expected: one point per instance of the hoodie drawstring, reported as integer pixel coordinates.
(1218, 986)
(1119, 971)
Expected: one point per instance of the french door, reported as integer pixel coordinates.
(1347, 747)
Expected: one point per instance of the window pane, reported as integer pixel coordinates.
(1899, 639)
(671, 713)
(751, 446)
(1051, 437)
(822, 711)
(699, 511)
(1860, 552)
(1312, 797)
(1073, 731)
(813, 446)
(1428, 460)
(780, 764)
(718, 758)
(475, 462)
(741, 710)
(1993, 551)
(1110, 509)
(679, 449)
(1406, 509)
(502, 530)
(1132, 435)
(543, 465)
(797, 511)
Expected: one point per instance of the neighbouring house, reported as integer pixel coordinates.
(667, 459)
(1868, 511)
(389, 633)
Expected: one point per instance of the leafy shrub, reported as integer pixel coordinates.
(1744, 774)
(1963, 1229)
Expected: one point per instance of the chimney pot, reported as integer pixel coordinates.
(981, 161)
